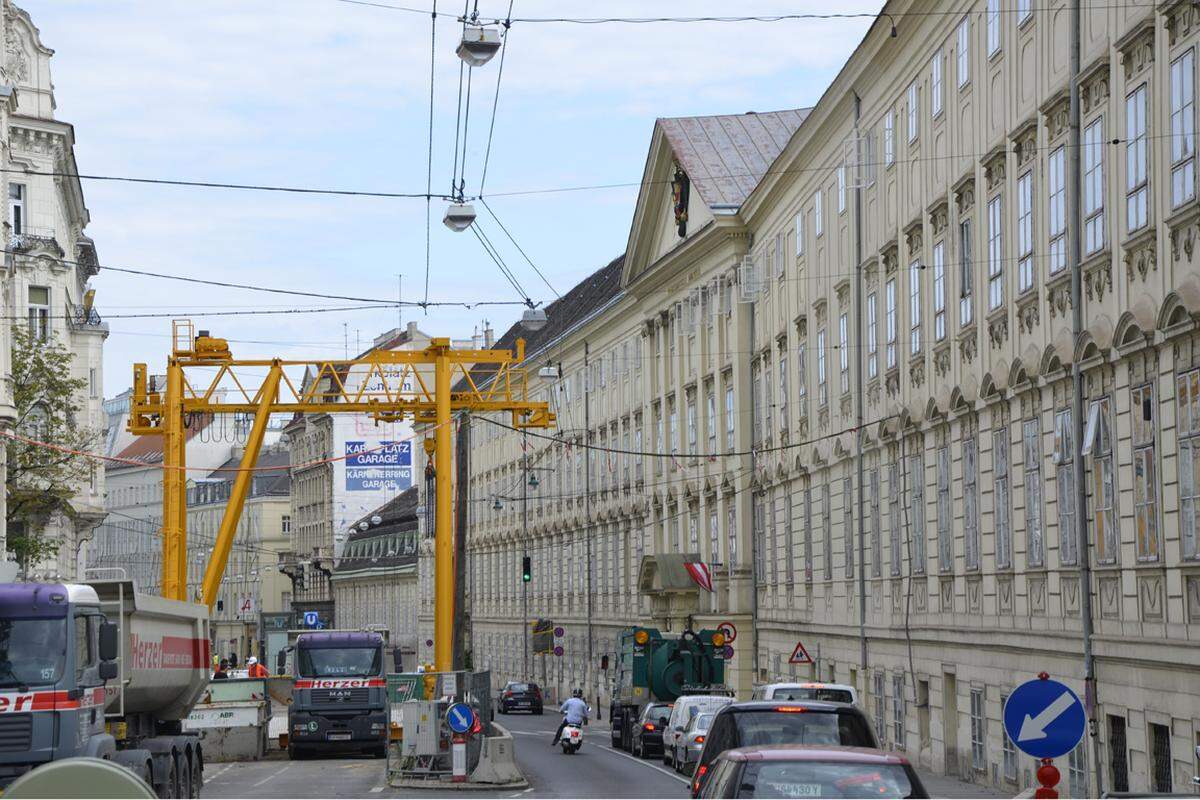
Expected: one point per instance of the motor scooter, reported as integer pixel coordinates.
(572, 738)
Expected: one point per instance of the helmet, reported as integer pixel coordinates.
(577, 693)
(251, 661)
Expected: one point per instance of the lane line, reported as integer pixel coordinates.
(219, 772)
(376, 789)
(271, 777)
(663, 770)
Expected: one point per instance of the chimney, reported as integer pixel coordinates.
(489, 336)
(412, 331)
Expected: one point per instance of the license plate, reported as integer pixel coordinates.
(796, 789)
(338, 737)
(523, 703)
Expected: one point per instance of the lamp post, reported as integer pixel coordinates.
(525, 555)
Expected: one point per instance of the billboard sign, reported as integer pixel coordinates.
(386, 466)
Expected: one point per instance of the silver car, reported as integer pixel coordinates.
(693, 742)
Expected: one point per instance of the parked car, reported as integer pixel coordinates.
(520, 696)
(648, 732)
(808, 690)
(685, 708)
(693, 742)
(775, 722)
(804, 771)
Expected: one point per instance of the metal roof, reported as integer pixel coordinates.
(726, 156)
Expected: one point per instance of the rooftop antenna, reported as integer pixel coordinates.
(399, 301)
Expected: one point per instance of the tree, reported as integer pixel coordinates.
(41, 481)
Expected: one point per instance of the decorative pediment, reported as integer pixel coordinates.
(995, 167)
(1056, 114)
(941, 359)
(1137, 48)
(1024, 140)
(870, 273)
(801, 323)
(1097, 277)
(1182, 19)
(916, 372)
(890, 255)
(1028, 312)
(821, 311)
(1095, 82)
(964, 193)
(914, 238)
(939, 216)
(1141, 255)
(998, 328)
(842, 289)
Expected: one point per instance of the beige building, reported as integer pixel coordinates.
(729, 349)
(46, 277)
(252, 584)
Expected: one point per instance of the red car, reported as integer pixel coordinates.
(798, 770)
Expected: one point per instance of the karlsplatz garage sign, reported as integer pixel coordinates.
(372, 467)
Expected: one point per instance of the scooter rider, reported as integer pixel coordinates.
(574, 711)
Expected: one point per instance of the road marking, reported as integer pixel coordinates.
(663, 770)
(376, 789)
(271, 777)
(219, 772)
(518, 794)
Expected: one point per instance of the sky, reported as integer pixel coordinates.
(330, 94)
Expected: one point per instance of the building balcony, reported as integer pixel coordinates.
(83, 318)
(31, 240)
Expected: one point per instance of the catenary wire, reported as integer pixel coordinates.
(520, 249)
(487, 154)
(429, 156)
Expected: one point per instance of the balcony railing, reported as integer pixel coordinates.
(83, 318)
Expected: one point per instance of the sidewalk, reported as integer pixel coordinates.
(943, 786)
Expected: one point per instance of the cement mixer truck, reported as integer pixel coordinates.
(99, 669)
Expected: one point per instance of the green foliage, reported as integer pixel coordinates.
(41, 481)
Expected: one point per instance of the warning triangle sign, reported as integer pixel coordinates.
(800, 655)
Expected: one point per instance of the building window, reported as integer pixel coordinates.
(844, 350)
(880, 707)
(966, 274)
(894, 531)
(780, 257)
(692, 433)
(872, 337)
(1077, 770)
(970, 502)
(93, 383)
(818, 224)
(16, 207)
(729, 419)
(945, 538)
(822, 386)
(802, 378)
(1025, 232)
(714, 538)
(1034, 527)
(935, 85)
(1057, 187)
(1064, 478)
(710, 401)
(768, 406)
(285, 525)
(1145, 491)
(1008, 749)
(1003, 521)
(963, 52)
(993, 27)
(1188, 399)
(1024, 11)
(912, 110)
(848, 525)
(899, 704)
(1160, 758)
(731, 534)
(827, 531)
(1093, 186)
(39, 312)
(841, 187)
(1137, 190)
(890, 295)
(1118, 754)
(1098, 443)
(876, 527)
(808, 546)
(978, 731)
(914, 306)
(800, 234)
(789, 541)
(783, 392)
(918, 513)
(889, 138)
(995, 255)
(1183, 130)
(939, 291)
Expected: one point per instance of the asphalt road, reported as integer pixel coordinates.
(595, 771)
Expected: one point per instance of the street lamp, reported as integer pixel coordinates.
(534, 319)
(533, 480)
(497, 506)
(479, 43)
(459, 217)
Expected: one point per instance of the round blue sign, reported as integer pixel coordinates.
(460, 717)
(1044, 718)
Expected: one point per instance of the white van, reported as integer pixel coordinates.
(684, 709)
(809, 690)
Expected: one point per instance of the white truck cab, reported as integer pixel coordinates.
(807, 690)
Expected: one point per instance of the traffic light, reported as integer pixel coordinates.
(526, 570)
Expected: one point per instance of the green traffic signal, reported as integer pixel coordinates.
(526, 572)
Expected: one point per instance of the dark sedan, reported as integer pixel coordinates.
(768, 722)
(809, 771)
(648, 732)
(519, 696)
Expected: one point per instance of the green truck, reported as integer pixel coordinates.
(653, 668)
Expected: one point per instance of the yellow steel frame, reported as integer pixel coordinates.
(389, 385)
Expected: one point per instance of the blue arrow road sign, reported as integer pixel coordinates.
(460, 717)
(1044, 718)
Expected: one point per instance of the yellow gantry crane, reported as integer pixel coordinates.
(203, 378)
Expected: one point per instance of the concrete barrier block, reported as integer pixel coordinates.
(497, 759)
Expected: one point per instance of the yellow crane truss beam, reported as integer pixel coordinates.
(203, 377)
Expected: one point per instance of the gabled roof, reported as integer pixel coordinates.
(149, 449)
(725, 156)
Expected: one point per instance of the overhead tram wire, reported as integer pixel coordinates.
(499, 262)
(429, 158)
(487, 153)
(520, 249)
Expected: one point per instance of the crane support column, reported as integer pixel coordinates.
(174, 565)
(241, 488)
(443, 464)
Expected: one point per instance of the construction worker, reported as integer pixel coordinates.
(255, 669)
(222, 672)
